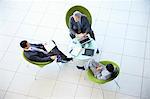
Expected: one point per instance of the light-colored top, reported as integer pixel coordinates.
(103, 73)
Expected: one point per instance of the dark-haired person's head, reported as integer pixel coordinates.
(110, 67)
(24, 44)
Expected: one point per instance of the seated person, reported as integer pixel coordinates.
(38, 53)
(99, 70)
(79, 26)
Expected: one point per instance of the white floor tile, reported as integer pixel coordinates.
(134, 48)
(121, 4)
(136, 33)
(4, 42)
(43, 34)
(50, 20)
(83, 91)
(123, 96)
(104, 14)
(41, 88)
(27, 31)
(148, 35)
(6, 78)
(33, 18)
(145, 88)
(2, 93)
(109, 94)
(130, 85)
(114, 45)
(10, 95)
(111, 56)
(132, 65)
(140, 6)
(21, 84)
(146, 68)
(96, 94)
(100, 28)
(116, 30)
(11, 61)
(69, 73)
(138, 18)
(62, 89)
(7, 27)
(119, 16)
(147, 54)
(84, 80)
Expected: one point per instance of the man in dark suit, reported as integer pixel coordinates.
(79, 25)
(38, 53)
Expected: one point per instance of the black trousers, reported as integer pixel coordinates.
(57, 52)
(91, 35)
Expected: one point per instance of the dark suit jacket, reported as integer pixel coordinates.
(36, 55)
(85, 25)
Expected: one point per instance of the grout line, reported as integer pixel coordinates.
(8, 48)
(144, 56)
(118, 90)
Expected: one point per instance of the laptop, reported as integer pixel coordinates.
(84, 40)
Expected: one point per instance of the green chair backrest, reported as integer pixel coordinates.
(81, 9)
(39, 64)
(92, 78)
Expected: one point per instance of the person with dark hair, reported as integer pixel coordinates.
(99, 70)
(38, 53)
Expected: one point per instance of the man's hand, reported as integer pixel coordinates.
(79, 35)
(84, 34)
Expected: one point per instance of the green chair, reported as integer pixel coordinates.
(39, 64)
(92, 78)
(81, 9)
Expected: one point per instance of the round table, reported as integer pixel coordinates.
(76, 44)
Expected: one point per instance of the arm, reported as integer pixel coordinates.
(87, 25)
(71, 26)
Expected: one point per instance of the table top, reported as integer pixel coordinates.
(90, 45)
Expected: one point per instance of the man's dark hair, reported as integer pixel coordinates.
(23, 43)
(110, 67)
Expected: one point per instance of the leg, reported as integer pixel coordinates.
(56, 51)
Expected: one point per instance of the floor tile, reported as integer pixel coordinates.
(133, 86)
(10, 95)
(136, 33)
(21, 84)
(41, 88)
(7, 77)
(134, 48)
(115, 45)
(62, 89)
(132, 65)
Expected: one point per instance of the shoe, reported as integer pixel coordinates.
(69, 59)
(80, 67)
(97, 52)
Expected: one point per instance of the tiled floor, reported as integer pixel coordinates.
(122, 29)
